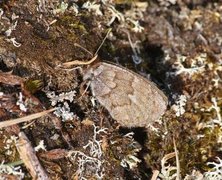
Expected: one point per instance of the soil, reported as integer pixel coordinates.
(177, 45)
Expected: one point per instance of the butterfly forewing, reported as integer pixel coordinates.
(131, 100)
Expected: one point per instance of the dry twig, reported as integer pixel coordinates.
(28, 156)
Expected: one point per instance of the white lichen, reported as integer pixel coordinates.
(92, 160)
(129, 135)
(10, 170)
(199, 61)
(40, 146)
(41, 6)
(167, 172)
(195, 175)
(127, 19)
(63, 111)
(9, 144)
(75, 9)
(179, 106)
(61, 9)
(21, 103)
(10, 29)
(136, 25)
(135, 48)
(14, 42)
(218, 39)
(214, 121)
(93, 101)
(197, 65)
(137, 11)
(215, 172)
(216, 108)
(84, 160)
(92, 6)
(1, 13)
(180, 69)
(62, 97)
(216, 80)
(60, 101)
(115, 14)
(167, 2)
(94, 145)
(130, 162)
(55, 137)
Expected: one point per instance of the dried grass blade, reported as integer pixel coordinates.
(24, 119)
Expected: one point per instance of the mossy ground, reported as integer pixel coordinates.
(187, 29)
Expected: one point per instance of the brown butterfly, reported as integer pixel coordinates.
(132, 100)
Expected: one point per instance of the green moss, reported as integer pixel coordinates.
(79, 26)
(195, 146)
(33, 85)
(68, 21)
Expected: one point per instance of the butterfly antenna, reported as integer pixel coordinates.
(109, 30)
(78, 45)
(94, 56)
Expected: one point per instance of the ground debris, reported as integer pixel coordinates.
(175, 43)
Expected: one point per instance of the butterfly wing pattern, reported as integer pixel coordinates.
(131, 100)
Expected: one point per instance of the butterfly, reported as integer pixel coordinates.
(132, 100)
